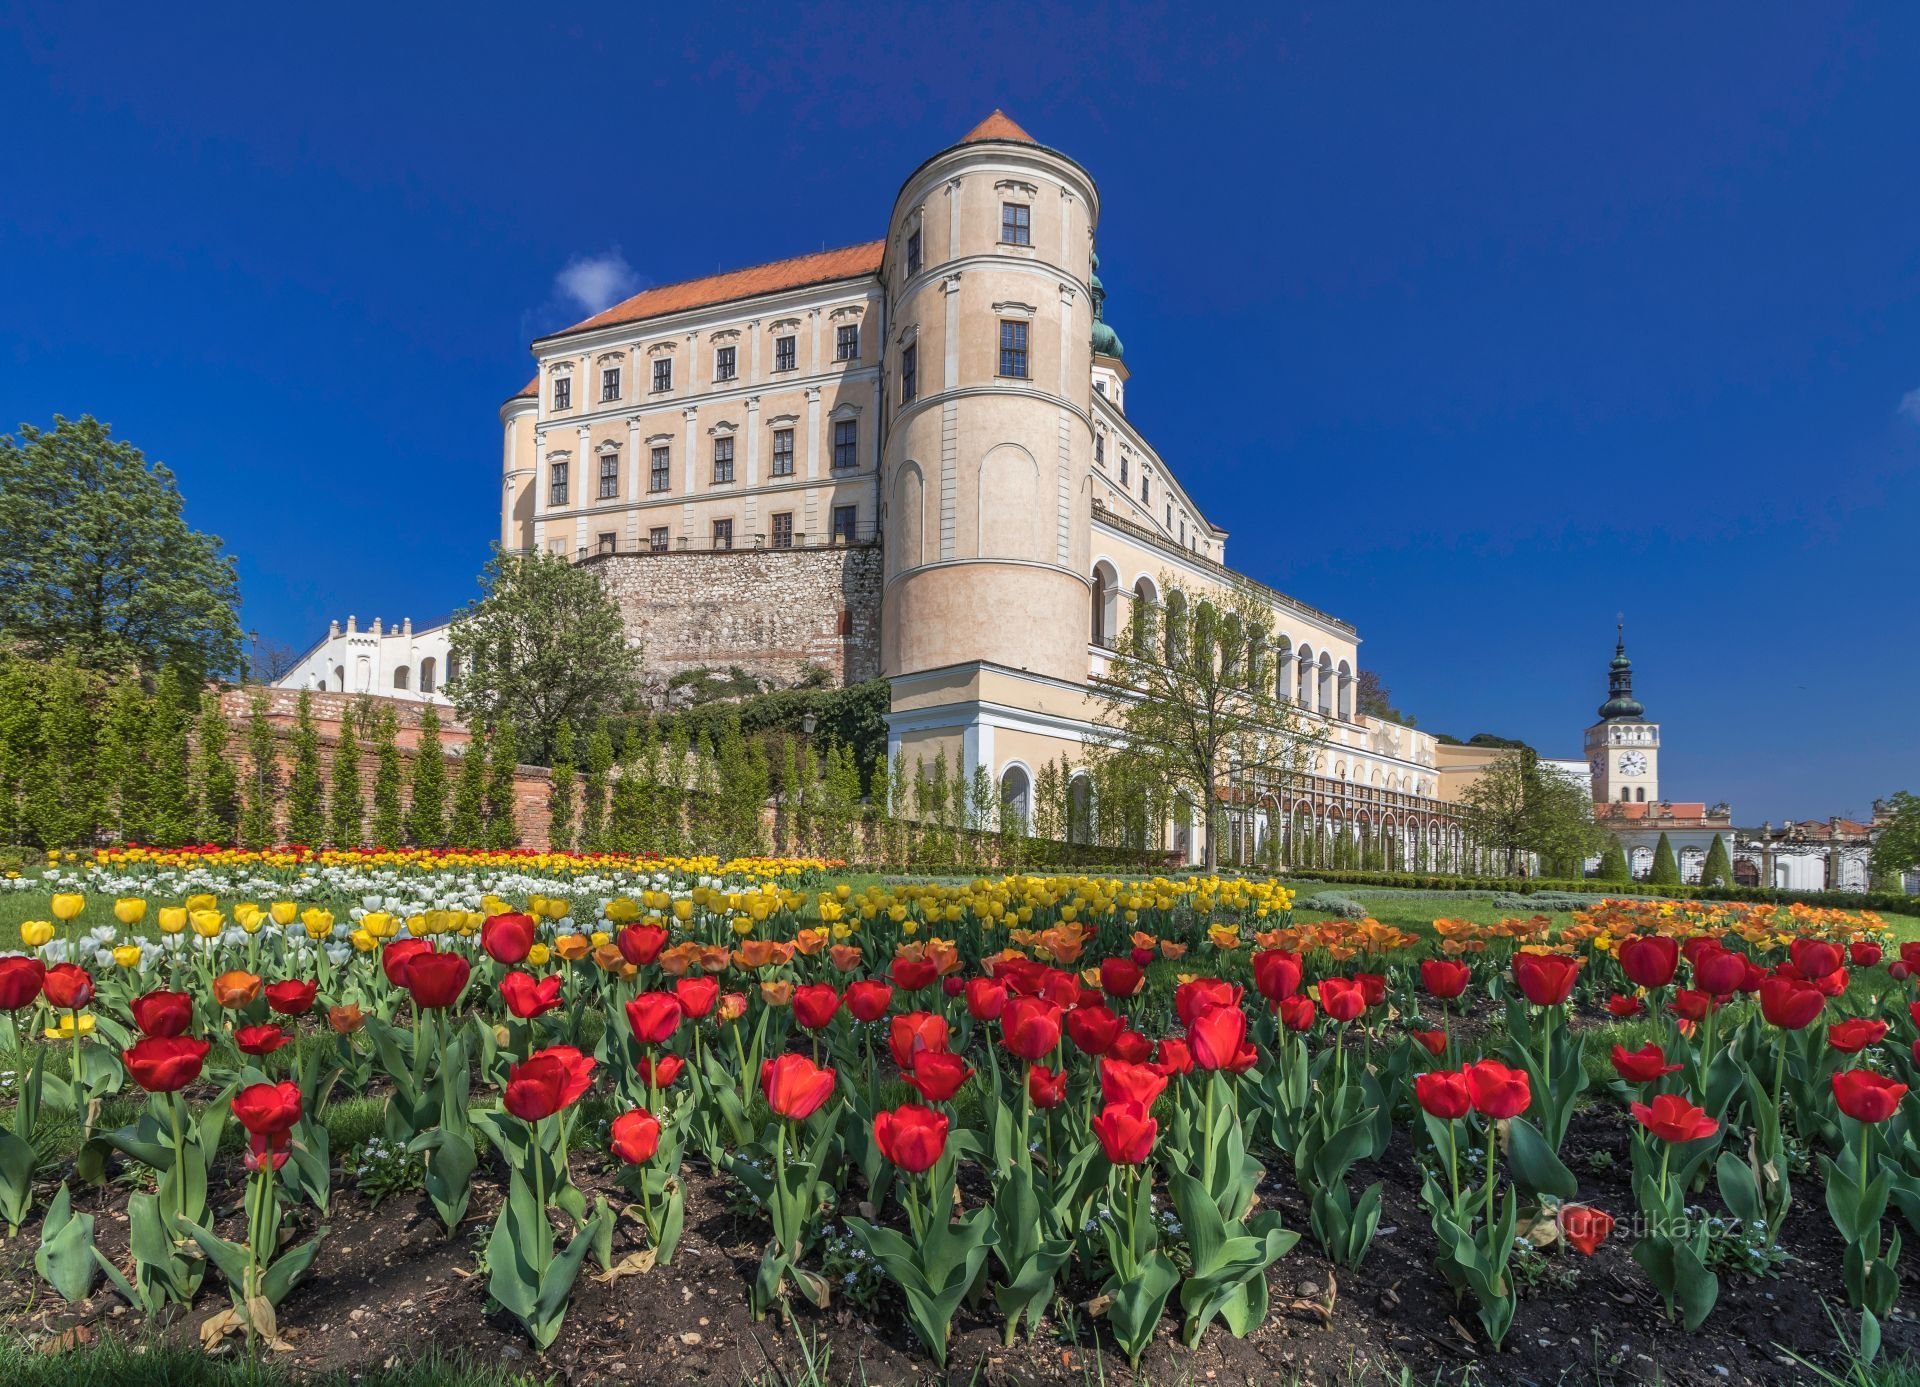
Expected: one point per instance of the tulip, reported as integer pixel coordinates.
(868, 999)
(171, 919)
(1719, 972)
(910, 1136)
(1815, 958)
(129, 910)
(1172, 1056)
(1297, 1013)
(937, 1075)
(436, 980)
(1498, 1091)
(1030, 1027)
(206, 923)
(547, 1081)
(1120, 977)
(641, 944)
(1192, 998)
(345, 1020)
(1790, 1003)
(698, 996)
(1641, 1066)
(1650, 960)
(659, 1071)
(1444, 978)
(1673, 1119)
(1546, 980)
(1047, 1088)
(1443, 1092)
(1121, 1082)
(165, 1063)
(1433, 1042)
(20, 982)
(1341, 998)
(34, 933)
(636, 1136)
(1093, 1029)
(1866, 1096)
(1624, 1007)
(815, 1005)
(1584, 1227)
(986, 998)
(67, 905)
(398, 956)
(914, 1032)
(1691, 1004)
(1373, 987)
(1277, 974)
(68, 986)
(1132, 1047)
(795, 1086)
(912, 974)
(128, 955)
(1218, 1040)
(268, 1112)
(527, 997)
(260, 1040)
(284, 913)
(1864, 953)
(1126, 1133)
(507, 939)
(1852, 1036)
(292, 997)
(654, 1017)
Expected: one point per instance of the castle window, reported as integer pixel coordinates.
(723, 534)
(657, 539)
(1146, 487)
(426, 673)
(913, 253)
(659, 469)
(783, 530)
(844, 519)
(557, 484)
(724, 363)
(723, 459)
(1123, 469)
(563, 393)
(663, 373)
(1100, 449)
(609, 476)
(400, 677)
(1016, 224)
(610, 383)
(846, 444)
(606, 542)
(846, 342)
(1640, 794)
(783, 353)
(909, 374)
(783, 452)
(1013, 349)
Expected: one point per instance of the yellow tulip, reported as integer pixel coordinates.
(129, 910)
(203, 901)
(127, 955)
(417, 926)
(284, 913)
(364, 941)
(683, 911)
(319, 923)
(250, 916)
(66, 1030)
(173, 919)
(376, 923)
(600, 937)
(34, 933)
(67, 904)
(206, 923)
(538, 955)
(557, 909)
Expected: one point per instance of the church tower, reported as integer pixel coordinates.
(1623, 748)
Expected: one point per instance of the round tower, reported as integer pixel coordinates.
(989, 340)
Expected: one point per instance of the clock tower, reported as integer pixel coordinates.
(1623, 748)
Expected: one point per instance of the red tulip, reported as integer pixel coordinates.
(1121, 1082)
(1341, 998)
(1443, 1092)
(659, 1071)
(1120, 977)
(547, 1081)
(986, 998)
(1296, 1013)
(636, 1136)
(1624, 1007)
(1046, 1087)
(163, 1014)
(436, 980)
(1277, 974)
(1030, 1027)
(527, 997)
(1433, 1042)
(795, 1086)
(815, 1005)
(654, 1017)
(912, 974)
(1866, 1096)
(1672, 1118)
(1546, 980)
(909, 1034)
(1172, 1056)
(292, 997)
(68, 986)
(1373, 987)
(1497, 1090)
(641, 944)
(1444, 978)
(1851, 1037)
(268, 1110)
(1815, 958)
(868, 999)
(395, 958)
(1132, 1047)
(1719, 972)
(1641, 1066)
(1218, 1039)
(165, 1063)
(1192, 998)
(910, 1136)
(1650, 960)
(1094, 1029)
(936, 1075)
(1126, 1132)
(1910, 954)
(1691, 1004)
(507, 939)
(20, 981)
(1789, 1003)
(1584, 1227)
(260, 1040)
(697, 996)
(1864, 953)
(953, 985)
(1833, 984)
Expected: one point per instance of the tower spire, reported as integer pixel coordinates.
(1621, 705)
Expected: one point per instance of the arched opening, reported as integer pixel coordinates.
(1257, 661)
(1232, 647)
(1303, 689)
(1326, 684)
(340, 678)
(1106, 603)
(1016, 799)
(1346, 692)
(1283, 669)
(1145, 600)
(1176, 627)
(1639, 794)
(426, 674)
(400, 677)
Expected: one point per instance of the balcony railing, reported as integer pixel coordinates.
(859, 536)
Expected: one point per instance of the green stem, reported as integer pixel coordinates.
(178, 1102)
(543, 1249)
(1492, 1152)
(1206, 1138)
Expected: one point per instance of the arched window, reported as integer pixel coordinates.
(400, 677)
(1326, 684)
(1283, 670)
(1626, 795)
(1176, 626)
(1232, 647)
(1016, 799)
(1145, 600)
(426, 675)
(321, 686)
(1640, 794)
(340, 678)
(1257, 661)
(1346, 692)
(1303, 691)
(453, 667)
(1106, 603)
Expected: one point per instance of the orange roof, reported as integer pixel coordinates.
(529, 391)
(822, 267)
(998, 126)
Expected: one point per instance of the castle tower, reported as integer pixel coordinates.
(1623, 748)
(988, 367)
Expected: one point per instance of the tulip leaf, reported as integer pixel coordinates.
(290, 1268)
(1134, 1308)
(1738, 1189)
(65, 1255)
(17, 1162)
(1536, 1167)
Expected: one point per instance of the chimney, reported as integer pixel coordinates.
(376, 626)
(333, 629)
(406, 626)
(353, 623)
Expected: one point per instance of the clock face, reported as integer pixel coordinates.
(1599, 765)
(1633, 763)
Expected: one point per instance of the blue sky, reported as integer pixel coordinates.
(1474, 325)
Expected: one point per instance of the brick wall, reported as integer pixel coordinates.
(772, 612)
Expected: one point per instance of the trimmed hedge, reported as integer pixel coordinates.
(1594, 886)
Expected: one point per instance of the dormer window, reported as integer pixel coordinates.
(1016, 224)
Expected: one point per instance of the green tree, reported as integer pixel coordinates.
(97, 561)
(1613, 862)
(216, 786)
(469, 825)
(561, 791)
(21, 750)
(123, 762)
(502, 761)
(65, 806)
(263, 777)
(1718, 868)
(1191, 705)
(169, 809)
(1666, 871)
(632, 820)
(593, 793)
(389, 822)
(427, 807)
(543, 645)
(347, 808)
(841, 806)
(1372, 697)
(1896, 845)
(306, 809)
(1521, 807)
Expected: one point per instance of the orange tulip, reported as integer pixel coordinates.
(762, 953)
(776, 994)
(611, 960)
(572, 947)
(846, 957)
(810, 941)
(236, 989)
(346, 1019)
(679, 960)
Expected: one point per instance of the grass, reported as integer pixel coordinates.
(110, 1362)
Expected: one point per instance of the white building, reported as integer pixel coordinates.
(394, 660)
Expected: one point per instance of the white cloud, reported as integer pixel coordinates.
(594, 282)
(1910, 405)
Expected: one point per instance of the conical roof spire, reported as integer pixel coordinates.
(1621, 705)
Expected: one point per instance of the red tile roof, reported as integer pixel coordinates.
(998, 126)
(529, 391)
(822, 267)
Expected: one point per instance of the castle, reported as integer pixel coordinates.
(911, 459)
